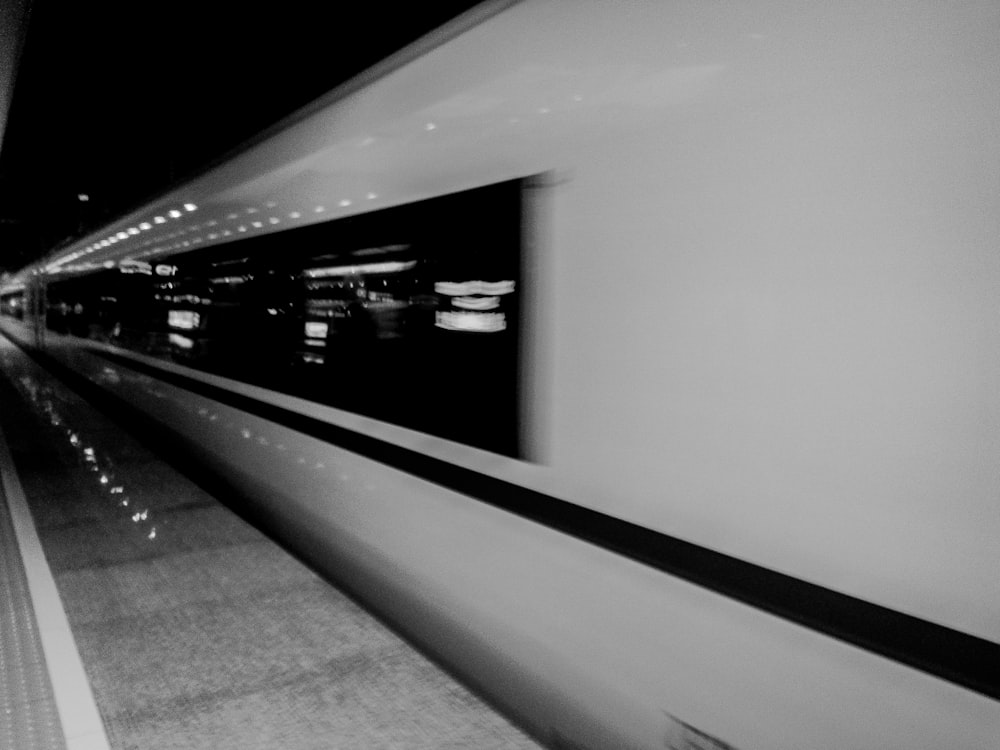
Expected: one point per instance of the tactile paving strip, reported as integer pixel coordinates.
(28, 716)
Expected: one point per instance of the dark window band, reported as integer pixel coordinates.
(949, 654)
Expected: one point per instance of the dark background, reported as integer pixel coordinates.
(118, 100)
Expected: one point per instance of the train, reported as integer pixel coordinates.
(639, 361)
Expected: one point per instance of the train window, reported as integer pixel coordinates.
(409, 314)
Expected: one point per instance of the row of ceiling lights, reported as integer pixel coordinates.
(144, 226)
(177, 214)
(173, 213)
(245, 226)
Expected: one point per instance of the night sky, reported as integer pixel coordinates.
(118, 100)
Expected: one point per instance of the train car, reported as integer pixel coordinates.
(637, 360)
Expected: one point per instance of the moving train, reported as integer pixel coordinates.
(638, 360)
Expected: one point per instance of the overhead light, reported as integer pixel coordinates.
(190, 207)
(174, 214)
(351, 270)
(466, 288)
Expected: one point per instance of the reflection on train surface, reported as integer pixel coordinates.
(370, 314)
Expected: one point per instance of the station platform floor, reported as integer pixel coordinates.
(146, 614)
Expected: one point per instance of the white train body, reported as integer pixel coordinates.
(758, 314)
